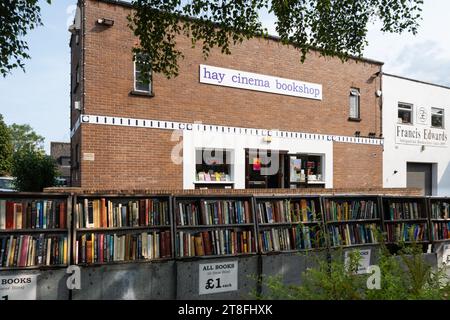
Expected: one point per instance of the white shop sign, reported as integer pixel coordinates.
(259, 82)
(218, 277)
(18, 287)
(364, 261)
(415, 135)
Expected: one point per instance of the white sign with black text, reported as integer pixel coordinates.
(218, 277)
(18, 287)
(364, 261)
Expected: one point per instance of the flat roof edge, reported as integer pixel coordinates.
(415, 80)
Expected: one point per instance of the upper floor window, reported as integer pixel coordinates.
(354, 103)
(140, 85)
(437, 118)
(405, 113)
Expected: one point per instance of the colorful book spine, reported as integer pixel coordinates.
(287, 211)
(407, 232)
(440, 230)
(347, 234)
(343, 210)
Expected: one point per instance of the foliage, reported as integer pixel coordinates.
(6, 148)
(23, 136)
(33, 170)
(406, 276)
(333, 27)
(16, 19)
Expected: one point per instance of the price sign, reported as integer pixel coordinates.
(18, 287)
(364, 261)
(218, 277)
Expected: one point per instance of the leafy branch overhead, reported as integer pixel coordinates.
(332, 27)
(17, 18)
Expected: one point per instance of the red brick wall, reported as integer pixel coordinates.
(109, 80)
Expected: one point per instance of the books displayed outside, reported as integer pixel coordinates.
(353, 234)
(440, 219)
(407, 232)
(405, 210)
(351, 210)
(212, 227)
(32, 214)
(440, 210)
(291, 224)
(122, 229)
(33, 250)
(440, 231)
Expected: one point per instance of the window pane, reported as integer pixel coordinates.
(354, 108)
(140, 85)
(404, 116)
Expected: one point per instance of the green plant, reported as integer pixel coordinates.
(6, 148)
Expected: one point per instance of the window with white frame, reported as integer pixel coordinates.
(437, 118)
(354, 103)
(405, 113)
(140, 85)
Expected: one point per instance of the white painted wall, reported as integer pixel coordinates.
(195, 139)
(396, 155)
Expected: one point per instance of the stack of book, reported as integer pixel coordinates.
(102, 213)
(407, 232)
(32, 214)
(214, 242)
(352, 234)
(289, 239)
(105, 248)
(281, 211)
(33, 250)
(350, 210)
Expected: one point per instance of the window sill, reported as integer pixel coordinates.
(354, 119)
(142, 94)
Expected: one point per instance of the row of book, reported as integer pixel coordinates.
(215, 242)
(352, 234)
(37, 250)
(282, 211)
(101, 248)
(103, 213)
(213, 176)
(407, 232)
(214, 213)
(34, 214)
(350, 210)
(440, 231)
(287, 239)
(440, 210)
(405, 211)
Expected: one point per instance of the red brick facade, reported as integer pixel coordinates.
(128, 157)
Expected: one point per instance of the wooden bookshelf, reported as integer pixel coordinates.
(122, 229)
(406, 220)
(208, 226)
(289, 223)
(439, 214)
(352, 220)
(37, 223)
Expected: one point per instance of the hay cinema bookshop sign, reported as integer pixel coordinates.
(259, 82)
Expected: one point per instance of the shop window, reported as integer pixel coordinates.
(437, 118)
(405, 113)
(213, 165)
(354, 104)
(139, 84)
(305, 169)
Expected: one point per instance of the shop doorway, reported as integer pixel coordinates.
(419, 175)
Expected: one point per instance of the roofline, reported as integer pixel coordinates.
(271, 37)
(415, 80)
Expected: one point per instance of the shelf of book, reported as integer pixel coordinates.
(34, 231)
(289, 223)
(439, 219)
(405, 220)
(116, 229)
(213, 226)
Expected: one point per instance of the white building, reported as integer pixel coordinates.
(416, 122)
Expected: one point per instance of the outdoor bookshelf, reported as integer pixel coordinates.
(120, 229)
(405, 220)
(34, 231)
(352, 221)
(289, 223)
(214, 226)
(439, 209)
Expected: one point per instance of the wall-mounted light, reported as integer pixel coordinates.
(422, 149)
(372, 134)
(395, 171)
(267, 139)
(105, 22)
(379, 93)
(357, 133)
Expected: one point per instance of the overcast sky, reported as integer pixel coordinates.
(40, 97)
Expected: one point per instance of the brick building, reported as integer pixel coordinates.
(60, 152)
(255, 119)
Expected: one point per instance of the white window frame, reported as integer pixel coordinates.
(433, 112)
(400, 106)
(355, 92)
(150, 84)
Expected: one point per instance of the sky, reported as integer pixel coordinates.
(41, 96)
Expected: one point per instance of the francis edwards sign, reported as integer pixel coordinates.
(259, 82)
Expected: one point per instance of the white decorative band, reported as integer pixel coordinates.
(170, 125)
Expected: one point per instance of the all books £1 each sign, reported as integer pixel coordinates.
(18, 287)
(218, 277)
